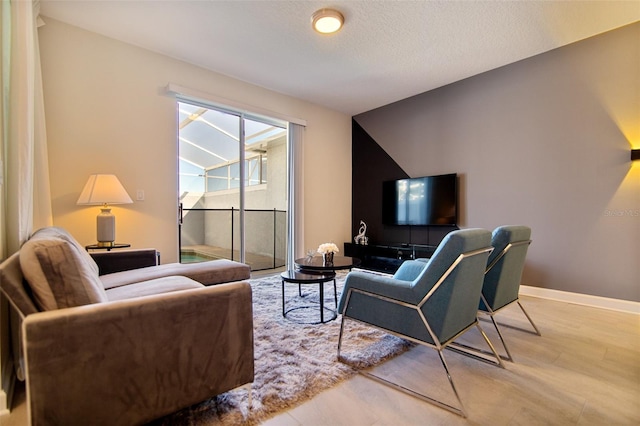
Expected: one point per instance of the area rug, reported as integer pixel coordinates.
(294, 361)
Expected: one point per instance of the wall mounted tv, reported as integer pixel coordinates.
(429, 200)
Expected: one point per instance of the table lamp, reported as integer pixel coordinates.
(104, 190)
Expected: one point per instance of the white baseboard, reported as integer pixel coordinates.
(582, 299)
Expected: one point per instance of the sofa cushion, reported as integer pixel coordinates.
(150, 287)
(58, 272)
(63, 234)
(207, 273)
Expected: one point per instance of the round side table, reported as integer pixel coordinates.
(107, 248)
(314, 264)
(298, 277)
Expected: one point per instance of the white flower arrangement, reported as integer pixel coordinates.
(327, 248)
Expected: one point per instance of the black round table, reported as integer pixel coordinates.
(299, 277)
(314, 264)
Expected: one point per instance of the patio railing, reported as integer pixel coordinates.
(215, 234)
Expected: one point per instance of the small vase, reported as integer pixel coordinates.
(327, 259)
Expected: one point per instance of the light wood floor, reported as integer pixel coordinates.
(583, 370)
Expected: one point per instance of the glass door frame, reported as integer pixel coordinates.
(242, 118)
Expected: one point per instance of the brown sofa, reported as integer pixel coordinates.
(127, 347)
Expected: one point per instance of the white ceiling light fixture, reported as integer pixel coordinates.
(327, 21)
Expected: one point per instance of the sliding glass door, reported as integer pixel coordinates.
(233, 186)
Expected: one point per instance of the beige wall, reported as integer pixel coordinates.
(544, 142)
(107, 112)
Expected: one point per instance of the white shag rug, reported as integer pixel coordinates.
(294, 361)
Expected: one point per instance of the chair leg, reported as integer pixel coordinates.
(477, 353)
(340, 337)
(504, 343)
(459, 411)
(529, 318)
(342, 321)
(455, 391)
(486, 339)
(464, 349)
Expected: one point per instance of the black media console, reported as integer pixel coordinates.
(387, 257)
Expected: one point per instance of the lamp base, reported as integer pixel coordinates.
(106, 228)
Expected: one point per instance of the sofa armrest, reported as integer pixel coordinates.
(125, 260)
(131, 361)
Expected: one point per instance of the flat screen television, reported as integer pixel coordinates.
(429, 200)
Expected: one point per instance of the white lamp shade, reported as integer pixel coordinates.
(103, 189)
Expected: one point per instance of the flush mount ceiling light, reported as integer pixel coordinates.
(327, 21)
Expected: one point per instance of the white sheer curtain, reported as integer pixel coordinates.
(25, 181)
(25, 199)
(295, 229)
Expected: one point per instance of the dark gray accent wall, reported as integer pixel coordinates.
(372, 166)
(543, 142)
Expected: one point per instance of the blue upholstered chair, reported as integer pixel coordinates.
(430, 303)
(504, 272)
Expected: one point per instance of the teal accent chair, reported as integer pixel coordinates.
(427, 302)
(503, 275)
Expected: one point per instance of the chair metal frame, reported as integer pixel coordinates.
(472, 351)
(437, 345)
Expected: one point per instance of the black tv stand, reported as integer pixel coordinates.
(387, 257)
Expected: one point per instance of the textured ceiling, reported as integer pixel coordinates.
(387, 50)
